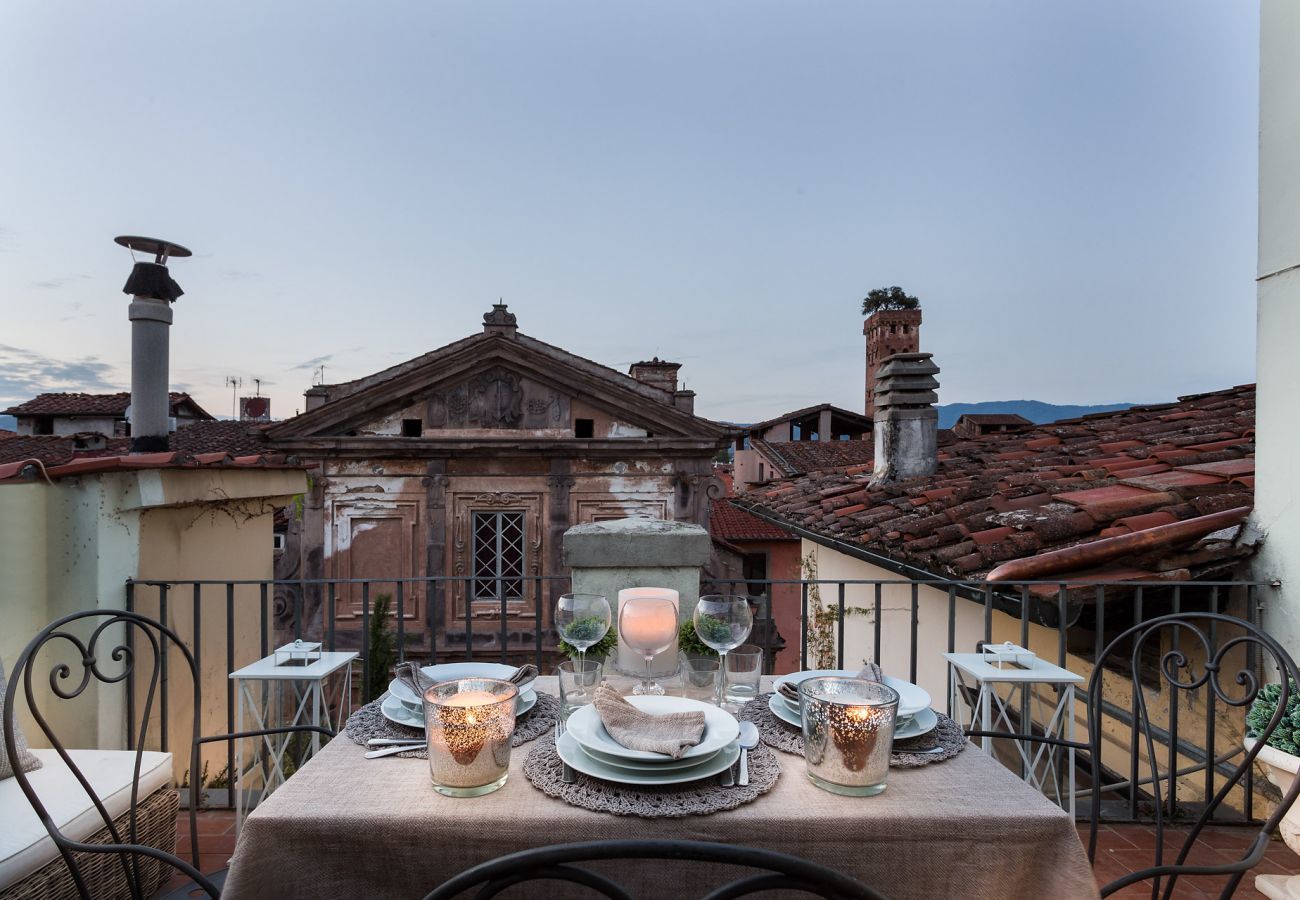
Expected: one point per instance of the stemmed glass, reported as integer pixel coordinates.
(649, 626)
(723, 622)
(582, 621)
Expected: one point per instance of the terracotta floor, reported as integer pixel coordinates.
(1120, 849)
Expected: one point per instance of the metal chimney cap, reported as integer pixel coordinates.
(161, 249)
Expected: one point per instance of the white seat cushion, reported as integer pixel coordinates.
(25, 845)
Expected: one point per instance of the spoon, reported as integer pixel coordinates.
(748, 740)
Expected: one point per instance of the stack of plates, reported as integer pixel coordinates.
(589, 748)
(915, 717)
(405, 708)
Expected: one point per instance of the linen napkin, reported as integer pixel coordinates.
(870, 672)
(669, 733)
(409, 674)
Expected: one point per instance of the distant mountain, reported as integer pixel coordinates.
(9, 423)
(1034, 410)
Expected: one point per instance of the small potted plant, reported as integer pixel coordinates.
(597, 651)
(1280, 755)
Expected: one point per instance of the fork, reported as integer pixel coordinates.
(566, 773)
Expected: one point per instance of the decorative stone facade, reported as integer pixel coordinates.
(477, 457)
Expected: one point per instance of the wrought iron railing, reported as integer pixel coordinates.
(1078, 615)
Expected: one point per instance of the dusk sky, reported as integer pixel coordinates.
(1069, 187)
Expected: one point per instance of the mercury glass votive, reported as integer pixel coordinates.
(848, 731)
(469, 723)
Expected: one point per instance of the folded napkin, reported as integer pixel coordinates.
(870, 672)
(409, 674)
(669, 733)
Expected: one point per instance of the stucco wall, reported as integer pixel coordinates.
(1277, 486)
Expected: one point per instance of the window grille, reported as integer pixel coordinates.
(498, 556)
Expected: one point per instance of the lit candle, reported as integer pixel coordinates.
(848, 727)
(469, 724)
(630, 660)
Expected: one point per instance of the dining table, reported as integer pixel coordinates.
(344, 826)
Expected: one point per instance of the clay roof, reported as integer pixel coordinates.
(73, 404)
(53, 449)
(995, 419)
(26, 471)
(859, 418)
(1012, 496)
(731, 523)
(800, 457)
(234, 438)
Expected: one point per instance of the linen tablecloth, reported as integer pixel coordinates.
(345, 826)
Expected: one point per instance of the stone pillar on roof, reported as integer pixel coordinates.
(824, 426)
(906, 422)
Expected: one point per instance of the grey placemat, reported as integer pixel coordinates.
(783, 736)
(370, 722)
(696, 798)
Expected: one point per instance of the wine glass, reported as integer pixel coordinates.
(649, 626)
(723, 622)
(582, 620)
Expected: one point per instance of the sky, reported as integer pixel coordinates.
(1068, 187)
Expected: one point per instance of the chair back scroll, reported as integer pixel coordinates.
(1210, 655)
(101, 647)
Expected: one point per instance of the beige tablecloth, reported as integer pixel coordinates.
(344, 826)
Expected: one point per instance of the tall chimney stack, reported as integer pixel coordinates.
(152, 293)
(906, 424)
(888, 331)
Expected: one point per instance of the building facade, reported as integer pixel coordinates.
(470, 462)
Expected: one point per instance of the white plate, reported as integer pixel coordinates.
(911, 699)
(453, 671)
(572, 753)
(631, 765)
(922, 723)
(395, 710)
(720, 728)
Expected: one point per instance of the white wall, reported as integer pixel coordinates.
(1277, 485)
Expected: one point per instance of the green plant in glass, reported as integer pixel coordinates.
(689, 642)
(1286, 736)
(601, 649)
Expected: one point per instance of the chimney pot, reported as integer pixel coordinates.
(906, 424)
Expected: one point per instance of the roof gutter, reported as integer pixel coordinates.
(1094, 553)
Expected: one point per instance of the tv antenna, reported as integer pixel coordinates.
(234, 382)
(318, 377)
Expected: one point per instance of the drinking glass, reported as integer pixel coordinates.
(649, 626)
(582, 620)
(723, 621)
(578, 682)
(744, 670)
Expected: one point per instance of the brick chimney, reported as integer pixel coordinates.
(888, 332)
(906, 424)
(656, 373)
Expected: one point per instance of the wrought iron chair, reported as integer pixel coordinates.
(782, 871)
(94, 653)
(1192, 659)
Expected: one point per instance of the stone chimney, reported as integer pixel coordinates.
(888, 332)
(656, 373)
(906, 424)
(499, 321)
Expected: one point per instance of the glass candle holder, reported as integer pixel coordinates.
(469, 723)
(848, 730)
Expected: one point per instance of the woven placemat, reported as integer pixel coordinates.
(370, 722)
(783, 736)
(696, 798)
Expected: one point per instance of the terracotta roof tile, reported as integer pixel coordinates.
(1010, 495)
(731, 523)
(73, 404)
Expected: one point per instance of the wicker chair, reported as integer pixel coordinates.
(131, 855)
(780, 870)
(1181, 673)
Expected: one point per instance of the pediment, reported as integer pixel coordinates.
(497, 387)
